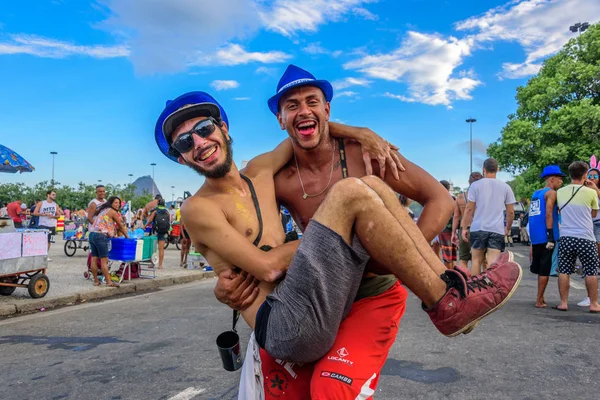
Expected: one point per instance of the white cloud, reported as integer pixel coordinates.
(364, 13)
(266, 71)
(347, 82)
(315, 48)
(347, 93)
(224, 85)
(288, 17)
(242, 98)
(541, 27)
(50, 48)
(516, 71)
(234, 54)
(426, 63)
(163, 34)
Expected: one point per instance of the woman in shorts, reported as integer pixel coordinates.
(107, 222)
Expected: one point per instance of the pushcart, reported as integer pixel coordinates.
(75, 239)
(23, 263)
(146, 259)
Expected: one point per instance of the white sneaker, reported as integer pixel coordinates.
(584, 303)
(49, 259)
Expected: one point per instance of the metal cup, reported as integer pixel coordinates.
(230, 350)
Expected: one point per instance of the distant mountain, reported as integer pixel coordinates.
(144, 184)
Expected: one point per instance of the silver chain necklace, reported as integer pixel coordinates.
(305, 195)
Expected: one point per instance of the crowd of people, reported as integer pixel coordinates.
(560, 225)
(102, 219)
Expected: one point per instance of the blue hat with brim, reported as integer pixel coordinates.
(294, 77)
(183, 108)
(552, 170)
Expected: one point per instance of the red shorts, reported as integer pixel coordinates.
(353, 364)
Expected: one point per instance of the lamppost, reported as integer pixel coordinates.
(153, 184)
(172, 194)
(579, 27)
(470, 122)
(130, 178)
(54, 153)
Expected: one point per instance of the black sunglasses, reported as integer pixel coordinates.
(185, 142)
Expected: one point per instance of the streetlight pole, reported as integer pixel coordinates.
(579, 27)
(153, 184)
(54, 153)
(130, 178)
(470, 122)
(172, 194)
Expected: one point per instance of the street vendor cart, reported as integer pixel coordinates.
(23, 260)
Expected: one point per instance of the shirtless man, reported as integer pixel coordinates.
(222, 222)
(464, 248)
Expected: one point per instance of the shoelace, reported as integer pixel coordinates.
(479, 283)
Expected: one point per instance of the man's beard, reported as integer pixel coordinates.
(323, 131)
(221, 170)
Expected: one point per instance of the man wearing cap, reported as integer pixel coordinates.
(543, 228)
(17, 211)
(302, 108)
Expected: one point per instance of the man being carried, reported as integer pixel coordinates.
(227, 214)
(464, 248)
(488, 198)
(543, 228)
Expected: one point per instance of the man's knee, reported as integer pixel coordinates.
(348, 190)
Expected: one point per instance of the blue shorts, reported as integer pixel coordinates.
(161, 237)
(99, 245)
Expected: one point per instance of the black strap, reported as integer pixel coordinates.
(257, 207)
(342, 150)
(568, 201)
(236, 313)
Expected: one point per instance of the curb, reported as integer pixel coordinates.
(7, 309)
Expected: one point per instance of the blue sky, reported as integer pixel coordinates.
(89, 80)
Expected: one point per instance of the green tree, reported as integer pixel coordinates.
(558, 116)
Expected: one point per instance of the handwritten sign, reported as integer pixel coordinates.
(35, 244)
(10, 245)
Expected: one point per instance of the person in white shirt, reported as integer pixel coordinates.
(48, 212)
(96, 202)
(483, 221)
(3, 211)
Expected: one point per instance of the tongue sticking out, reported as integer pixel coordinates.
(307, 130)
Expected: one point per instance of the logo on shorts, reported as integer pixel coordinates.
(342, 353)
(337, 377)
(276, 383)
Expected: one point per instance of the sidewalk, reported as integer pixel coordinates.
(68, 286)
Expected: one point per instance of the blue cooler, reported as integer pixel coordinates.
(122, 249)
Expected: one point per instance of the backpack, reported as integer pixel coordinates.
(132, 273)
(162, 222)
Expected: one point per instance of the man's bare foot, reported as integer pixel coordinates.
(96, 282)
(160, 267)
(541, 305)
(112, 284)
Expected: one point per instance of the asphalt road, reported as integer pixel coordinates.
(161, 346)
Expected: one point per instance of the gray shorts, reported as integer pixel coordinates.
(299, 321)
(486, 240)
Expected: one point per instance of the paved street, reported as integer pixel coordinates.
(160, 345)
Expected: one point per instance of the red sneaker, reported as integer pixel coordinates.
(469, 299)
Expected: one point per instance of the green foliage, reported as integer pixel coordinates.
(67, 196)
(558, 116)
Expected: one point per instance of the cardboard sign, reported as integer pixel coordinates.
(35, 244)
(10, 245)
